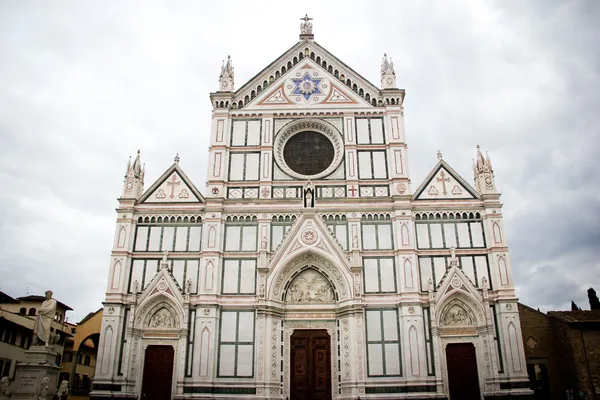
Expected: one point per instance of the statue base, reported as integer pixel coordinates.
(40, 362)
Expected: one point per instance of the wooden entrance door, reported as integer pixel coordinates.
(158, 373)
(310, 365)
(462, 371)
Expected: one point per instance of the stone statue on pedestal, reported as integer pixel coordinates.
(43, 320)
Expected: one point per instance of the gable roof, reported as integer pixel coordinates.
(295, 54)
(457, 189)
(579, 316)
(159, 193)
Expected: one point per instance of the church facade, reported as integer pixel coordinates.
(310, 268)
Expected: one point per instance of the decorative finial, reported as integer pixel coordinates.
(439, 155)
(388, 76)
(227, 77)
(176, 159)
(164, 263)
(306, 26)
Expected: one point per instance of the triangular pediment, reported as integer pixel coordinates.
(454, 280)
(443, 183)
(172, 187)
(344, 85)
(309, 233)
(163, 284)
(307, 84)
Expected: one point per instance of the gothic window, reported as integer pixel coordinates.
(236, 344)
(338, 226)
(168, 237)
(239, 276)
(245, 133)
(383, 343)
(279, 227)
(376, 234)
(447, 234)
(372, 164)
(241, 236)
(244, 166)
(369, 131)
(379, 275)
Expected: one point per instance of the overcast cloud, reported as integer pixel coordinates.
(83, 85)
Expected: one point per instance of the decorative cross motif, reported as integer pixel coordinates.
(443, 179)
(306, 18)
(173, 183)
(353, 191)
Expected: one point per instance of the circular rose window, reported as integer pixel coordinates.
(308, 153)
(308, 149)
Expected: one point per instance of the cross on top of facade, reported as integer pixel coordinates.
(306, 26)
(306, 18)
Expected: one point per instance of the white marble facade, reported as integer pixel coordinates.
(393, 273)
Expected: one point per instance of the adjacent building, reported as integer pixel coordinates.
(80, 352)
(311, 267)
(562, 350)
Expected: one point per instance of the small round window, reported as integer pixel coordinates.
(308, 153)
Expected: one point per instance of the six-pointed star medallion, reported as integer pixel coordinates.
(307, 86)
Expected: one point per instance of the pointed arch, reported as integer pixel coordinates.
(413, 344)
(513, 344)
(502, 270)
(204, 351)
(404, 234)
(309, 285)
(116, 275)
(121, 237)
(497, 232)
(280, 278)
(106, 348)
(212, 234)
(209, 275)
(408, 274)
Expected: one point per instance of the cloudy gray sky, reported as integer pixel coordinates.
(83, 85)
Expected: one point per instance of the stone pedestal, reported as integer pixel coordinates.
(40, 362)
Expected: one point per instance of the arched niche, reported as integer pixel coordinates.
(159, 312)
(283, 276)
(309, 285)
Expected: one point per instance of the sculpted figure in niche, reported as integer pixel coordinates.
(43, 320)
(457, 316)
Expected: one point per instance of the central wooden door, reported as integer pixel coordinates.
(158, 373)
(462, 371)
(310, 365)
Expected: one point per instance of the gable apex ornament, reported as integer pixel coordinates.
(306, 28)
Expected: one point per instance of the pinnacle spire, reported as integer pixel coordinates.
(388, 76)
(176, 159)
